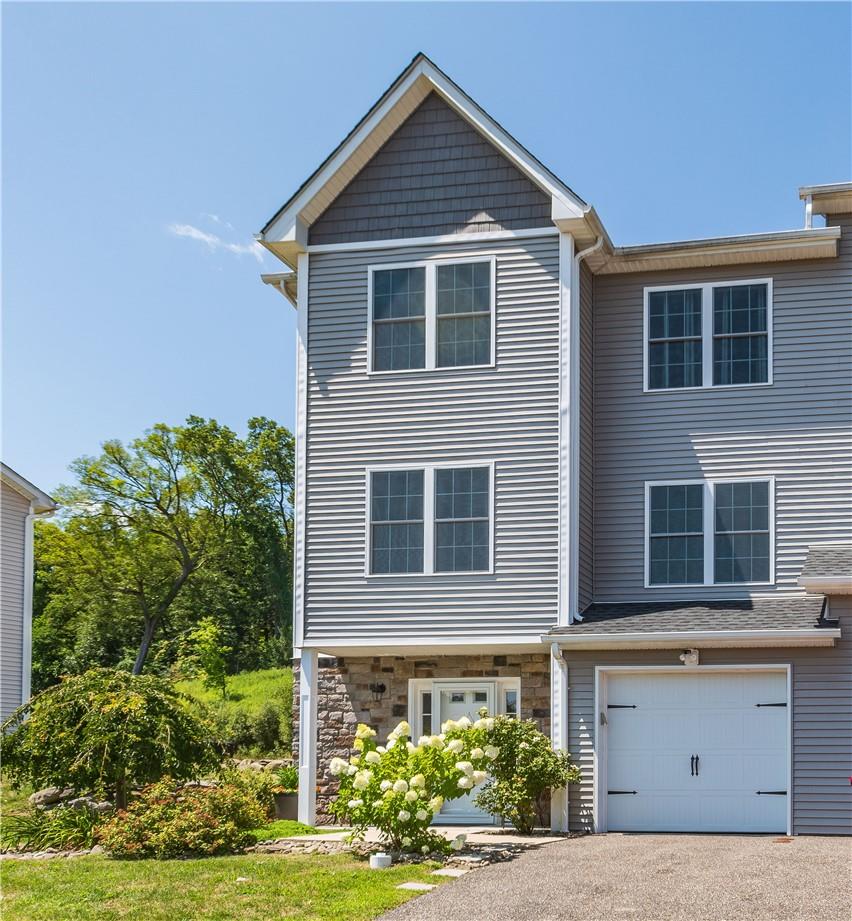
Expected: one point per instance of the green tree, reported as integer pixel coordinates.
(185, 521)
(208, 652)
(103, 731)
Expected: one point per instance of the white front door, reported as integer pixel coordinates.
(701, 752)
(448, 701)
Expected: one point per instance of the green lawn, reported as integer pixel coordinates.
(307, 888)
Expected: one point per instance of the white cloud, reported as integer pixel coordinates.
(214, 242)
(215, 219)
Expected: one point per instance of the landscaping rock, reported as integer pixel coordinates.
(49, 796)
(89, 802)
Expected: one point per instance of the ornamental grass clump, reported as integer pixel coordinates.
(400, 786)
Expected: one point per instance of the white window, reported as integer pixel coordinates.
(431, 315)
(708, 335)
(710, 532)
(430, 519)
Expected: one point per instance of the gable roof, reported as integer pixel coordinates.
(41, 501)
(828, 568)
(285, 234)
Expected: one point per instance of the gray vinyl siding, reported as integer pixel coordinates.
(436, 175)
(507, 414)
(14, 509)
(587, 436)
(821, 716)
(799, 429)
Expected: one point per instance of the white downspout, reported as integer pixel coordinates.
(574, 563)
(29, 576)
(809, 212)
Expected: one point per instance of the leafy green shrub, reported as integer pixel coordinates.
(266, 728)
(239, 731)
(287, 778)
(167, 822)
(400, 786)
(260, 785)
(64, 828)
(103, 731)
(525, 768)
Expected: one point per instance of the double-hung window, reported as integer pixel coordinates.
(708, 335)
(709, 532)
(432, 315)
(430, 520)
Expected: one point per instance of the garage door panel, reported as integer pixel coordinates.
(741, 748)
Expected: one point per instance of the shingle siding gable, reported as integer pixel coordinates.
(437, 175)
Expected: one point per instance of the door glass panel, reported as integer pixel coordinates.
(511, 703)
(426, 709)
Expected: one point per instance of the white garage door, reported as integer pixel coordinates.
(696, 752)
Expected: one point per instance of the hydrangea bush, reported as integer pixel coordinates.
(400, 786)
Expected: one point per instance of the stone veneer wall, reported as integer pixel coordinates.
(345, 699)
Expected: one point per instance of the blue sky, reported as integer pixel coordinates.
(144, 144)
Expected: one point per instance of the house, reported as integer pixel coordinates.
(603, 487)
(20, 504)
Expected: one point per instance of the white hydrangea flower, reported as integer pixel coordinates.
(464, 766)
(355, 803)
(489, 723)
(352, 769)
(389, 794)
(463, 723)
(455, 746)
(424, 849)
(418, 780)
(421, 815)
(391, 743)
(403, 816)
(364, 732)
(491, 751)
(400, 786)
(355, 759)
(480, 723)
(424, 740)
(524, 745)
(476, 754)
(362, 780)
(479, 777)
(406, 841)
(411, 796)
(337, 766)
(410, 747)
(402, 729)
(372, 757)
(458, 842)
(448, 725)
(436, 803)
(385, 785)
(465, 783)
(436, 742)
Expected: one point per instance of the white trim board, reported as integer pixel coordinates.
(707, 639)
(301, 477)
(599, 757)
(488, 236)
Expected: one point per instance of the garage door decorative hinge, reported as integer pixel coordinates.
(771, 792)
(784, 704)
(621, 792)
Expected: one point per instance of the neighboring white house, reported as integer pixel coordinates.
(20, 505)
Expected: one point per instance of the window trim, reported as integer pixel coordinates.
(707, 336)
(709, 522)
(431, 312)
(428, 519)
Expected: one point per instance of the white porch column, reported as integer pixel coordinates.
(558, 731)
(308, 736)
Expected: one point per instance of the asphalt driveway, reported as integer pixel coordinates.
(653, 878)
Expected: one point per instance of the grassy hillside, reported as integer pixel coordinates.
(255, 717)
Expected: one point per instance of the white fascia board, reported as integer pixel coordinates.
(420, 79)
(41, 502)
(711, 639)
(827, 585)
(427, 646)
(286, 283)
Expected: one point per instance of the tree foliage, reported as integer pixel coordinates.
(185, 522)
(103, 731)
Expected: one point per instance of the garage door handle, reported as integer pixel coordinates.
(696, 765)
(692, 766)
(621, 792)
(771, 792)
